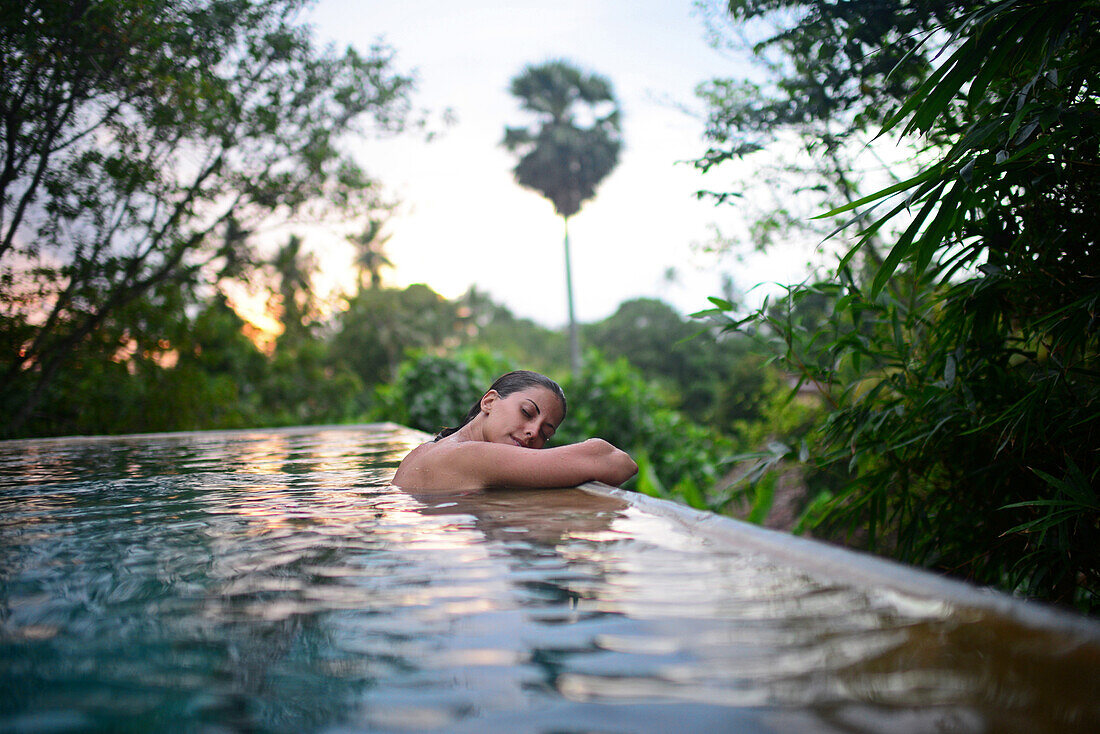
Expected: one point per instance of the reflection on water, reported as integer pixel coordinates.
(272, 581)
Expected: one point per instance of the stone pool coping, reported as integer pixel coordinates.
(844, 564)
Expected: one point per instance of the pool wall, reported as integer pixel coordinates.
(858, 567)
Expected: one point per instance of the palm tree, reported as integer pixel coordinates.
(562, 158)
(370, 258)
(294, 270)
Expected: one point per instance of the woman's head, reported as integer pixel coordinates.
(511, 385)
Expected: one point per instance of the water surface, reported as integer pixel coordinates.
(272, 581)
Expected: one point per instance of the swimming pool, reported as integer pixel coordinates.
(272, 581)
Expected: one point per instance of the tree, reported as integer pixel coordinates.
(563, 159)
(825, 74)
(826, 70)
(712, 378)
(380, 326)
(144, 141)
(294, 299)
(370, 255)
(491, 326)
(165, 361)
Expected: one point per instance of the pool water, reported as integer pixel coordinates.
(272, 581)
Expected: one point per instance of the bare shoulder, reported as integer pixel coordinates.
(435, 465)
(415, 465)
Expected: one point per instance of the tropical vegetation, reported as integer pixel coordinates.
(957, 353)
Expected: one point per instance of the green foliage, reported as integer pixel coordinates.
(714, 379)
(216, 380)
(492, 327)
(823, 77)
(763, 496)
(304, 385)
(295, 303)
(1012, 190)
(381, 325)
(685, 490)
(647, 481)
(174, 360)
(953, 453)
(154, 368)
(960, 376)
(822, 63)
(370, 255)
(432, 392)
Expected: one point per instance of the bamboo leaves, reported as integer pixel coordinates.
(960, 372)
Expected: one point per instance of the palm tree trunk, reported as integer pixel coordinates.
(574, 341)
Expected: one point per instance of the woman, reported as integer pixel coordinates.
(500, 444)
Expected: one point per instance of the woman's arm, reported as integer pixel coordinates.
(500, 465)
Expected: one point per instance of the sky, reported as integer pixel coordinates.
(463, 220)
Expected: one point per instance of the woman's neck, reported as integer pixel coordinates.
(469, 432)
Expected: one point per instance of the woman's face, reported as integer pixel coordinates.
(526, 418)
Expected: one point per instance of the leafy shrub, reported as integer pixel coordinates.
(432, 391)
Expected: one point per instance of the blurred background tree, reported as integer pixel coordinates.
(370, 254)
(492, 326)
(379, 326)
(713, 378)
(293, 301)
(573, 147)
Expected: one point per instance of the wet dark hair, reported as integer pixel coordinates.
(507, 384)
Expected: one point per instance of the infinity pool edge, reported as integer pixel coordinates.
(856, 566)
